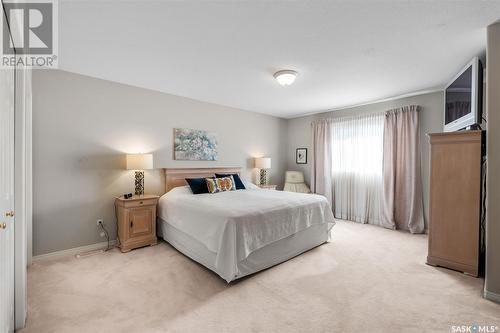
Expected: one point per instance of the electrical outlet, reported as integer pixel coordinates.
(99, 222)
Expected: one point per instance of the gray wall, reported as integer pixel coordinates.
(431, 121)
(492, 285)
(82, 127)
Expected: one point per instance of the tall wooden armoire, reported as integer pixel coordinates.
(455, 200)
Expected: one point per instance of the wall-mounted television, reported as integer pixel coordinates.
(464, 97)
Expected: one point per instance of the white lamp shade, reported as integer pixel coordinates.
(139, 161)
(263, 163)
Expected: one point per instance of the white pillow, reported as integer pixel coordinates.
(181, 190)
(250, 185)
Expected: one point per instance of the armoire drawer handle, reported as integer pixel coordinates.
(141, 203)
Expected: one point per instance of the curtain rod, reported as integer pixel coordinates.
(405, 108)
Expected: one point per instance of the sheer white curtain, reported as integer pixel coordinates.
(357, 155)
(347, 165)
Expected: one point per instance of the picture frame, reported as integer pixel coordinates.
(195, 145)
(301, 156)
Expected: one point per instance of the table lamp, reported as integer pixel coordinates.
(139, 163)
(263, 163)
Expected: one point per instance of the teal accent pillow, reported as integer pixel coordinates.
(197, 185)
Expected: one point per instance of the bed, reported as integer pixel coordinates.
(237, 233)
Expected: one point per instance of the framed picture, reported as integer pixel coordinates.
(194, 145)
(301, 156)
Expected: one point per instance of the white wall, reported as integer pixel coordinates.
(82, 127)
(431, 121)
(492, 284)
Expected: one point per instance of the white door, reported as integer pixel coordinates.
(6, 200)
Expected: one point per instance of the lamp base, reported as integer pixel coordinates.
(139, 183)
(263, 177)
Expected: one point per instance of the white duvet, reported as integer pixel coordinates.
(233, 224)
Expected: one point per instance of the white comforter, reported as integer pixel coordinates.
(234, 224)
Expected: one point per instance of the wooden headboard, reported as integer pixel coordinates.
(176, 177)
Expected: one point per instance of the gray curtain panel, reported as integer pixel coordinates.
(321, 172)
(402, 203)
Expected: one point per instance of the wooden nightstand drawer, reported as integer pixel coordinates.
(139, 202)
(136, 218)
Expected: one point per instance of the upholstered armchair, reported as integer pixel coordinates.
(294, 182)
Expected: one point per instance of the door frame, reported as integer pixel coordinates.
(9, 264)
(23, 192)
(23, 188)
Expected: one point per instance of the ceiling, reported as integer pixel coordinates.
(225, 52)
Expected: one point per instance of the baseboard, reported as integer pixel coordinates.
(74, 251)
(492, 296)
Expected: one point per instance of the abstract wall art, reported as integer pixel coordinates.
(194, 145)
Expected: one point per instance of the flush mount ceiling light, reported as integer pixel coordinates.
(285, 77)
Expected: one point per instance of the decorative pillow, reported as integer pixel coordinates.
(237, 180)
(197, 185)
(223, 184)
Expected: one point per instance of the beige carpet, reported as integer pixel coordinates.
(367, 279)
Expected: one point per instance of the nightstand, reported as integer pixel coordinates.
(268, 187)
(136, 220)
